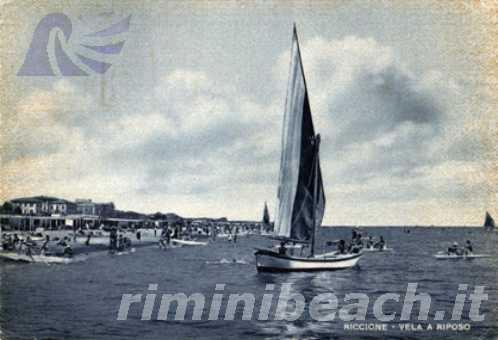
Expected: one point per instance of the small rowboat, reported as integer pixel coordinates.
(12, 256)
(175, 241)
(373, 249)
(446, 256)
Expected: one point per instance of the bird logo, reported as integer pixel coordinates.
(52, 51)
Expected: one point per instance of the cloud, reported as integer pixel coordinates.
(207, 137)
(36, 126)
(394, 140)
(390, 134)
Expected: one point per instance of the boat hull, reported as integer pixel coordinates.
(460, 257)
(270, 261)
(12, 256)
(190, 243)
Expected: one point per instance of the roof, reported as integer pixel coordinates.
(88, 203)
(63, 201)
(35, 199)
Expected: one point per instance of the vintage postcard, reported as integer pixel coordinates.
(248, 169)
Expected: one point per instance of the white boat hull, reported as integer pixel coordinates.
(187, 242)
(371, 249)
(460, 257)
(12, 256)
(270, 261)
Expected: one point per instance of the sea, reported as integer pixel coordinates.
(82, 300)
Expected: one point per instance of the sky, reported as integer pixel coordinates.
(188, 118)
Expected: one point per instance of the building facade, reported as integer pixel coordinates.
(87, 207)
(43, 205)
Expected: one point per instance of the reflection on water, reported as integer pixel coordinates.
(82, 299)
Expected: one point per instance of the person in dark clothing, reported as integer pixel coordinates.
(15, 241)
(113, 239)
(281, 248)
(139, 235)
(370, 242)
(167, 236)
(380, 245)
(354, 235)
(468, 247)
(44, 246)
(88, 237)
(27, 245)
(162, 239)
(453, 249)
(68, 251)
(126, 242)
(342, 247)
(120, 243)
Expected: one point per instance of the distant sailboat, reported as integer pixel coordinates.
(266, 215)
(489, 222)
(266, 226)
(301, 198)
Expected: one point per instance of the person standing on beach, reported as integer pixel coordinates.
(120, 243)
(214, 232)
(113, 239)
(74, 232)
(167, 236)
(44, 246)
(88, 237)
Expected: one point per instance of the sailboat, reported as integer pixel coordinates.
(489, 222)
(301, 198)
(266, 215)
(265, 223)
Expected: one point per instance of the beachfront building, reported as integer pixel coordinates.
(87, 207)
(61, 207)
(43, 206)
(30, 213)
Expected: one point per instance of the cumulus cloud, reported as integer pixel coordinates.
(390, 134)
(34, 126)
(393, 140)
(212, 137)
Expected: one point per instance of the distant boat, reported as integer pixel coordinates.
(180, 242)
(301, 198)
(444, 256)
(266, 226)
(266, 215)
(18, 257)
(489, 222)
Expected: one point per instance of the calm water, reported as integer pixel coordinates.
(81, 300)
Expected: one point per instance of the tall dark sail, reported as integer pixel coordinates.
(489, 222)
(266, 215)
(297, 215)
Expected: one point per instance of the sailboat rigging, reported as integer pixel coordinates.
(301, 197)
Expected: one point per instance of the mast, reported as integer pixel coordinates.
(315, 192)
